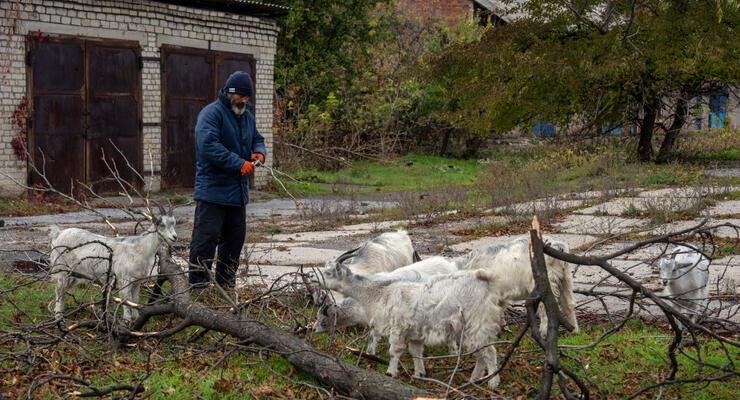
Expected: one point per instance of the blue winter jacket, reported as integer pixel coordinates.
(223, 142)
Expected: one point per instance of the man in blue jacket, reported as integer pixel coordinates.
(227, 148)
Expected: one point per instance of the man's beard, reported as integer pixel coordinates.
(238, 109)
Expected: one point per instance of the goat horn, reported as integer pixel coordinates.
(161, 209)
(346, 255)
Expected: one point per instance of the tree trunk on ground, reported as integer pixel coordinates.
(645, 146)
(346, 379)
(679, 120)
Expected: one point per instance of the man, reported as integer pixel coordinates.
(227, 147)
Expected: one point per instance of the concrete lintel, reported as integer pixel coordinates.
(237, 48)
(61, 29)
(181, 41)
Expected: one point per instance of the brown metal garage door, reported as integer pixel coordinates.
(86, 112)
(191, 79)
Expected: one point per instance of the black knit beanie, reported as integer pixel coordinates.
(240, 83)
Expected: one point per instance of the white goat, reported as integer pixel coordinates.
(442, 309)
(78, 256)
(383, 253)
(684, 274)
(349, 312)
(509, 264)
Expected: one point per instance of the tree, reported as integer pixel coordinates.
(347, 81)
(322, 43)
(594, 65)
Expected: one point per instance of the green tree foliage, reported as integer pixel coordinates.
(587, 65)
(347, 80)
(322, 42)
(322, 68)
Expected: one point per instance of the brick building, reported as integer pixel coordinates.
(88, 80)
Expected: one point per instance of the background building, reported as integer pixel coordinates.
(89, 84)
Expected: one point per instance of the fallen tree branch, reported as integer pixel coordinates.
(346, 379)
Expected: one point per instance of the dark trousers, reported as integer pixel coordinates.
(222, 227)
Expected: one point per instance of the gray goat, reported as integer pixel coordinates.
(433, 312)
(684, 274)
(386, 252)
(79, 256)
(349, 312)
(509, 264)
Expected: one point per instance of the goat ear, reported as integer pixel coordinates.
(342, 269)
(161, 210)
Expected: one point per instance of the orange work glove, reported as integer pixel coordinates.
(258, 156)
(247, 168)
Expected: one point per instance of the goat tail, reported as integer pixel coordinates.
(54, 232)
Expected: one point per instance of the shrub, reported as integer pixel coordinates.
(717, 144)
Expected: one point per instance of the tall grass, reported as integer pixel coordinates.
(716, 144)
(425, 185)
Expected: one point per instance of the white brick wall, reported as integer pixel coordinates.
(151, 24)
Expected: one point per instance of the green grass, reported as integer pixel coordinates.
(509, 175)
(183, 369)
(729, 196)
(28, 294)
(661, 178)
(727, 249)
(637, 356)
(631, 212)
(732, 154)
(35, 297)
(182, 372)
(410, 172)
(234, 378)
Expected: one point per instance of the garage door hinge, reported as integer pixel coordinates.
(141, 62)
(29, 58)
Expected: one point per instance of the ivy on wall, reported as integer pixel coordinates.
(18, 120)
